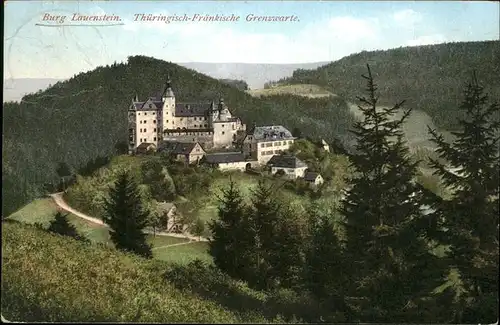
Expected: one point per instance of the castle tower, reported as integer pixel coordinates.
(168, 109)
(224, 113)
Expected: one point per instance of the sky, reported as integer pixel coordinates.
(322, 31)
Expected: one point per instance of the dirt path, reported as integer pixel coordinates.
(58, 199)
(171, 245)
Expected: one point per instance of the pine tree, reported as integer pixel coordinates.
(389, 263)
(263, 222)
(226, 246)
(324, 269)
(60, 225)
(471, 216)
(287, 254)
(127, 217)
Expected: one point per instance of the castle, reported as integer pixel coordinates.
(161, 119)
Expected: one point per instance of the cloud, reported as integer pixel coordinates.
(407, 17)
(427, 40)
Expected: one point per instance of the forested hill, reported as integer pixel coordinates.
(430, 78)
(77, 120)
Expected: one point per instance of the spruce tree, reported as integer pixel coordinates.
(125, 214)
(60, 225)
(470, 217)
(391, 269)
(227, 230)
(286, 257)
(324, 268)
(263, 222)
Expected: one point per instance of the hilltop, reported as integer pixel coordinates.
(430, 78)
(79, 119)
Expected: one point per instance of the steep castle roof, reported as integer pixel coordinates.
(193, 109)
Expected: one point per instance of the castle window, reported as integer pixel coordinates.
(140, 122)
(222, 125)
(154, 130)
(206, 125)
(138, 113)
(222, 132)
(167, 121)
(146, 113)
(262, 145)
(154, 121)
(205, 118)
(154, 139)
(181, 119)
(150, 106)
(145, 130)
(195, 118)
(153, 113)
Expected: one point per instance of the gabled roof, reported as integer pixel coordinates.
(178, 148)
(165, 206)
(286, 161)
(145, 145)
(311, 176)
(224, 157)
(144, 106)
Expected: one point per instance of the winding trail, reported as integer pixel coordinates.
(58, 199)
(171, 245)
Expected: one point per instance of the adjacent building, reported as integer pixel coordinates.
(229, 161)
(263, 142)
(313, 178)
(291, 166)
(187, 152)
(161, 118)
(145, 148)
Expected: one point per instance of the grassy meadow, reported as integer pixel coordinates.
(43, 211)
(306, 90)
(51, 278)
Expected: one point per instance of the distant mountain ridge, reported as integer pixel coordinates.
(254, 74)
(15, 89)
(430, 78)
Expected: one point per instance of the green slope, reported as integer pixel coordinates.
(84, 117)
(430, 78)
(50, 278)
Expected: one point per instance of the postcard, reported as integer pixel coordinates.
(250, 161)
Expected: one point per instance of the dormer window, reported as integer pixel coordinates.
(150, 106)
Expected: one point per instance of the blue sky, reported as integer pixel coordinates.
(325, 31)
